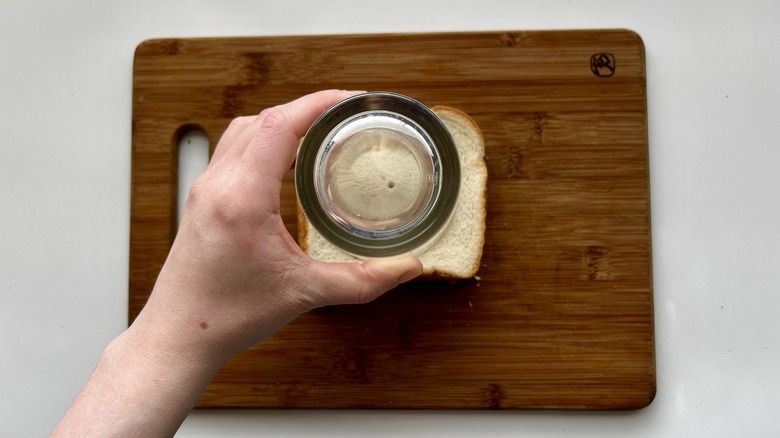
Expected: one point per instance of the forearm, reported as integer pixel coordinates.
(141, 386)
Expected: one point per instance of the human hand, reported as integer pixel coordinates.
(234, 274)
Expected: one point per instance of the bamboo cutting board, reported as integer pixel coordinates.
(561, 313)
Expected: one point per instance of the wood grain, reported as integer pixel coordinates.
(561, 316)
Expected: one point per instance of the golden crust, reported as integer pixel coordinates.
(303, 229)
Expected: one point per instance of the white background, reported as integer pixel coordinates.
(713, 93)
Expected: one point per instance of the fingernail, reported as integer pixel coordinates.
(407, 267)
(409, 275)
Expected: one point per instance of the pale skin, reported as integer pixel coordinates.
(233, 277)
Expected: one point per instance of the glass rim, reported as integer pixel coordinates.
(447, 182)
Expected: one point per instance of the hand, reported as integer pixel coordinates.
(234, 275)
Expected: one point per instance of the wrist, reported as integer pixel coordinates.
(167, 337)
(143, 385)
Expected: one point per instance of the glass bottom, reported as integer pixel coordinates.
(377, 179)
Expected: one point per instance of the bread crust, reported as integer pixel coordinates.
(303, 228)
(437, 274)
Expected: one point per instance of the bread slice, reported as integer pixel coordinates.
(458, 251)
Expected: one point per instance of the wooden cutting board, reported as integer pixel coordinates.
(561, 313)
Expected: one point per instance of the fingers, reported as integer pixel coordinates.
(231, 137)
(354, 283)
(270, 132)
(272, 149)
(301, 113)
(236, 139)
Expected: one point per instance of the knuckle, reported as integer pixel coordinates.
(274, 120)
(198, 190)
(239, 122)
(227, 209)
(216, 203)
(371, 286)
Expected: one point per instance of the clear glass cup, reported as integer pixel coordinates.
(378, 175)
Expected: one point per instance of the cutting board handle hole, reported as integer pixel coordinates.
(193, 157)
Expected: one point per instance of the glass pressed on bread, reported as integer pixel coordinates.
(457, 253)
(378, 175)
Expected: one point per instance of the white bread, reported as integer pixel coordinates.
(457, 252)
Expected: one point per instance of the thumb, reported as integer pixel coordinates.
(359, 283)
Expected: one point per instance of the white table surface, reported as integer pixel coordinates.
(712, 69)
